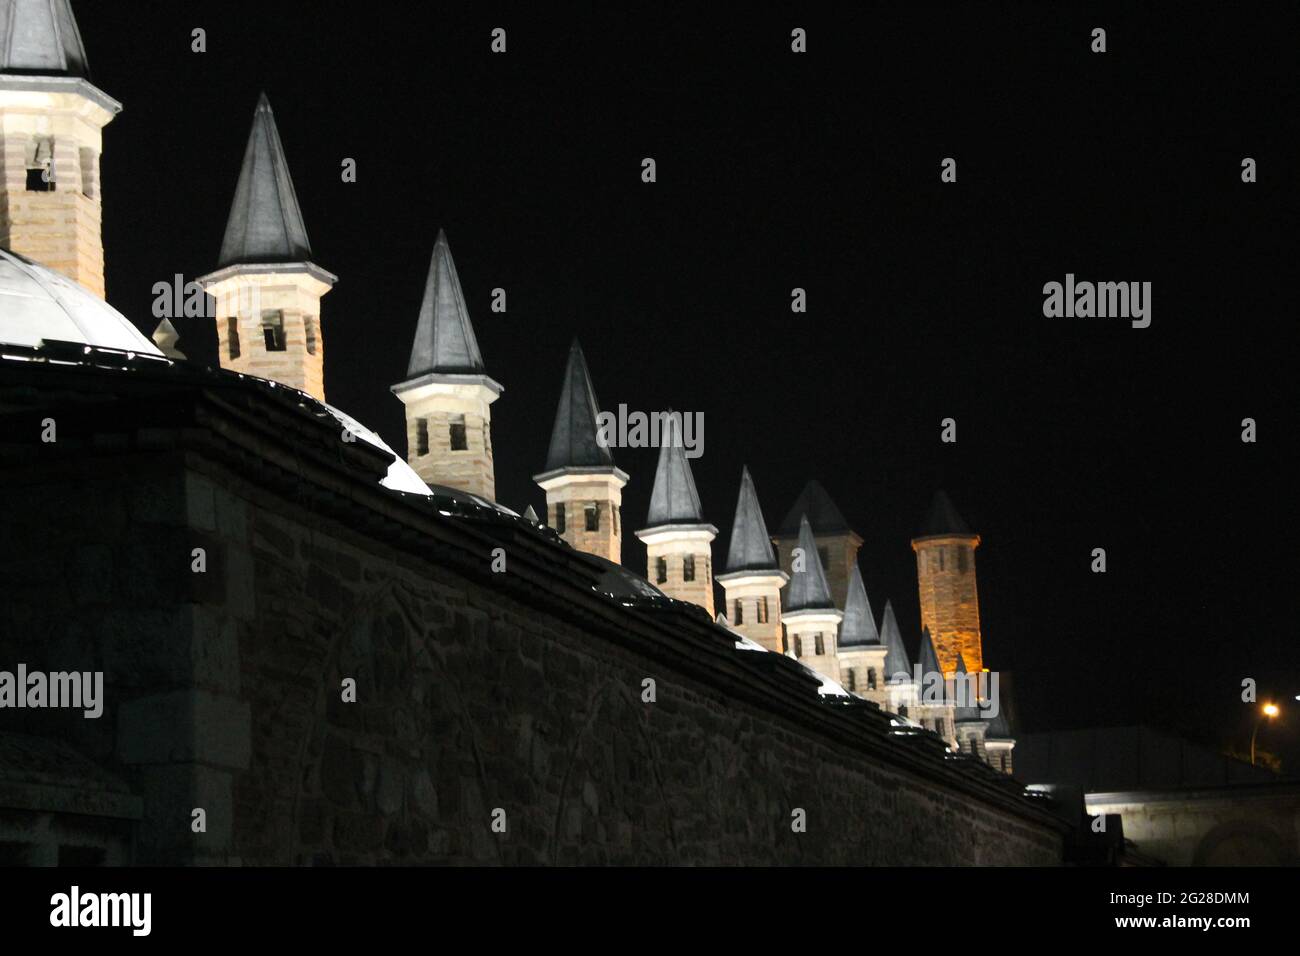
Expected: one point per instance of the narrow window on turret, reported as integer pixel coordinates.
(961, 560)
(688, 568)
(853, 679)
(740, 612)
(87, 157)
(559, 518)
(762, 610)
(40, 165)
(456, 428)
(818, 648)
(273, 331)
(798, 646)
(232, 336)
(309, 332)
(871, 678)
(941, 559)
(661, 570)
(422, 436)
(613, 514)
(592, 512)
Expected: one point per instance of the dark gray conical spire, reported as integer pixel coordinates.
(674, 499)
(896, 659)
(999, 728)
(859, 626)
(40, 37)
(929, 660)
(265, 224)
(751, 545)
(573, 437)
(444, 336)
(822, 513)
(807, 589)
(967, 709)
(943, 519)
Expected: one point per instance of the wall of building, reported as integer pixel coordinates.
(1229, 826)
(224, 693)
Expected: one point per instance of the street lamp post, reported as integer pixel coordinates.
(1270, 711)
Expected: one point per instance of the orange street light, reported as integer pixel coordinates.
(1270, 711)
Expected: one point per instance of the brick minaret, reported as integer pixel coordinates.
(51, 136)
(811, 619)
(584, 489)
(447, 396)
(837, 543)
(678, 541)
(268, 290)
(945, 573)
(753, 580)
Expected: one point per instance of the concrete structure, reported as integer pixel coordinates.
(268, 290)
(753, 580)
(678, 541)
(447, 395)
(584, 488)
(945, 574)
(474, 690)
(1179, 803)
(51, 138)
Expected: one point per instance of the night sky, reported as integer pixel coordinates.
(818, 171)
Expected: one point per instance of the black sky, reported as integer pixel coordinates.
(819, 171)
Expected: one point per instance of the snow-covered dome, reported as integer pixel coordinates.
(37, 303)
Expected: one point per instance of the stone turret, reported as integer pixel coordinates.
(945, 574)
(447, 394)
(811, 619)
(51, 137)
(862, 655)
(584, 488)
(268, 290)
(753, 579)
(679, 554)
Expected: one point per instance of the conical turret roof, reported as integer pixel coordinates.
(574, 435)
(896, 659)
(265, 224)
(674, 498)
(823, 514)
(858, 628)
(807, 589)
(943, 519)
(751, 546)
(444, 335)
(41, 37)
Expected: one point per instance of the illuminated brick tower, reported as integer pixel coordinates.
(945, 573)
(678, 541)
(268, 290)
(51, 136)
(584, 489)
(447, 394)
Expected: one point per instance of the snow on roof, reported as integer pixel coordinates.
(38, 304)
(401, 476)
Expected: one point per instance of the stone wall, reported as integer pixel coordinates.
(474, 693)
